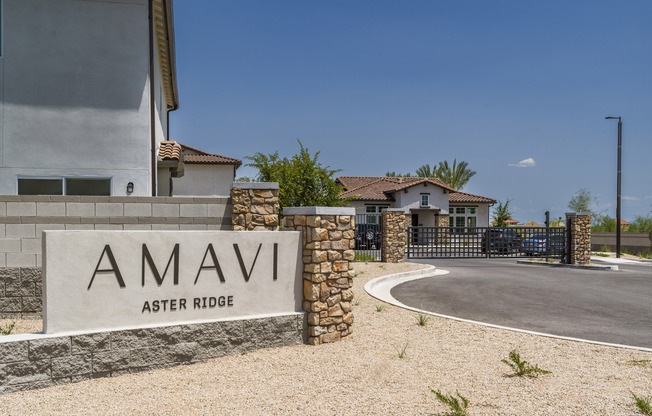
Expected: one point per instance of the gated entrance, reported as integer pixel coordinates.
(368, 237)
(470, 242)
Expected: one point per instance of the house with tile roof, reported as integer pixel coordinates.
(188, 171)
(428, 201)
(85, 92)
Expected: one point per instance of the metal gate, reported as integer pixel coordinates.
(470, 242)
(368, 237)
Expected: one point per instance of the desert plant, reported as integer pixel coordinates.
(457, 405)
(643, 404)
(364, 257)
(8, 329)
(380, 308)
(422, 319)
(521, 367)
(402, 351)
(642, 363)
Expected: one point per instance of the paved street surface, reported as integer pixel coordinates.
(606, 306)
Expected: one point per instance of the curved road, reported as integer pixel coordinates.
(597, 305)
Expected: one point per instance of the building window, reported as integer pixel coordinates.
(463, 218)
(373, 212)
(65, 186)
(425, 200)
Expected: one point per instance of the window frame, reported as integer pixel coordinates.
(64, 185)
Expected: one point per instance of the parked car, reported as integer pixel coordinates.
(537, 244)
(368, 237)
(503, 240)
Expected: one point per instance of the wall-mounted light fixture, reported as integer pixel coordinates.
(130, 187)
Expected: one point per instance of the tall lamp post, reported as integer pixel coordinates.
(618, 186)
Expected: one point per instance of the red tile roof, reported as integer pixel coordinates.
(464, 197)
(193, 155)
(374, 188)
(169, 150)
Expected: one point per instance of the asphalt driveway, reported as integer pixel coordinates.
(606, 306)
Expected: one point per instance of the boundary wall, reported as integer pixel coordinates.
(23, 218)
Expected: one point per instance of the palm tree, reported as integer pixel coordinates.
(455, 176)
(425, 172)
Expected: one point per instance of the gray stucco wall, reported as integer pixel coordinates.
(76, 96)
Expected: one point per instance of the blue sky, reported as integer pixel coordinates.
(379, 86)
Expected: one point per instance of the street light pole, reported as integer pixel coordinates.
(618, 185)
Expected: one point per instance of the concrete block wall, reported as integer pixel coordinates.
(21, 293)
(23, 218)
(34, 361)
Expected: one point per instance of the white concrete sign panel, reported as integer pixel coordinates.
(110, 280)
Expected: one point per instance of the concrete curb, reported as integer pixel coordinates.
(572, 266)
(380, 288)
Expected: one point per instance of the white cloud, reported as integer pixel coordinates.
(631, 198)
(525, 163)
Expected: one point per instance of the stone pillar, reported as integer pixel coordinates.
(394, 228)
(255, 206)
(328, 252)
(580, 238)
(444, 231)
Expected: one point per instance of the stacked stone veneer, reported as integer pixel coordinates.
(21, 293)
(23, 218)
(580, 238)
(255, 206)
(328, 252)
(394, 226)
(444, 232)
(34, 360)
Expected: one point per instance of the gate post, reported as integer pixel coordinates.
(255, 206)
(579, 227)
(442, 222)
(328, 244)
(394, 229)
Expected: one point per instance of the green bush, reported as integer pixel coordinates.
(6, 330)
(643, 404)
(457, 405)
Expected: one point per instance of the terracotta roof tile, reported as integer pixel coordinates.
(464, 197)
(192, 155)
(169, 150)
(374, 188)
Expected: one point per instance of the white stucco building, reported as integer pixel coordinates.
(85, 91)
(428, 201)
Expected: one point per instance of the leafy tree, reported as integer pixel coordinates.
(302, 179)
(582, 201)
(501, 214)
(603, 223)
(455, 176)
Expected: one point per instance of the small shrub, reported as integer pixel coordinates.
(364, 257)
(642, 363)
(380, 308)
(643, 404)
(402, 351)
(601, 254)
(521, 367)
(457, 405)
(6, 330)
(422, 319)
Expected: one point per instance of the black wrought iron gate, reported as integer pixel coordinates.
(368, 237)
(470, 242)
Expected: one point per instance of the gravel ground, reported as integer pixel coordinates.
(363, 375)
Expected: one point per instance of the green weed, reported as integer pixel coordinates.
(364, 257)
(643, 404)
(521, 367)
(402, 351)
(422, 319)
(6, 330)
(380, 308)
(457, 405)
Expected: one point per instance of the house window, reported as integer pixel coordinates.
(65, 186)
(425, 200)
(374, 211)
(463, 218)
